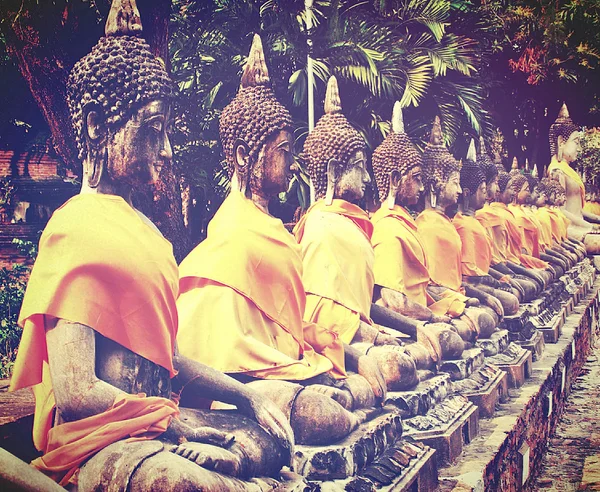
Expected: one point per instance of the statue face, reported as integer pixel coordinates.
(533, 196)
(139, 150)
(541, 200)
(353, 182)
(275, 163)
(571, 148)
(493, 190)
(450, 192)
(523, 193)
(411, 187)
(478, 199)
(509, 193)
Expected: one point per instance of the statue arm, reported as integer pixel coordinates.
(591, 217)
(80, 393)
(72, 359)
(400, 303)
(215, 385)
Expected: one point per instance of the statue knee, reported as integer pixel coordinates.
(399, 366)
(317, 419)
(168, 471)
(509, 302)
(485, 322)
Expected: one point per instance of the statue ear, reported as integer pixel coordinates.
(241, 155)
(395, 179)
(95, 133)
(95, 130)
(333, 175)
(560, 141)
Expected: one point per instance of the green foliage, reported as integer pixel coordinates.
(589, 159)
(391, 50)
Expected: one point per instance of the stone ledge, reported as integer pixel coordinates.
(521, 428)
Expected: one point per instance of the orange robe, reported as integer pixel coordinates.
(489, 218)
(442, 246)
(560, 224)
(338, 270)
(100, 265)
(476, 252)
(242, 299)
(592, 208)
(545, 220)
(401, 262)
(515, 239)
(529, 228)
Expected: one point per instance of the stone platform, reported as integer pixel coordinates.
(516, 362)
(510, 446)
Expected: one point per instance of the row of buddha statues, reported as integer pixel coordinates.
(207, 374)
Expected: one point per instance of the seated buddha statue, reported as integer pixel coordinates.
(560, 258)
(507, 239)
(401, 265)
(476, 250)
(441, 242)
(564, 137)
(335, 237)
(242, 286)
(99, 316)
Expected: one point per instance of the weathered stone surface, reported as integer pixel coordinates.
(421, 399)
(494, 345)
(471, 360)
(492, 462)
(516, 362)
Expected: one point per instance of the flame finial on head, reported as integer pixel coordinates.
(481, 145)
(123, 19)
(436, 137)
(397, 119)
(333, 102)
(255, 71)
(563, 114)
(471, 153)
(515, 164)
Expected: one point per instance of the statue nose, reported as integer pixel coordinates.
(166, 153)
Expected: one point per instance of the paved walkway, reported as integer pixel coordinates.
(572, 462)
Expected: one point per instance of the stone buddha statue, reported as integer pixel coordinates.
(100, 316)
(564, 137)
(401, 270)
(476, 251)
(242, 287)
(335, 237)
(441, 173)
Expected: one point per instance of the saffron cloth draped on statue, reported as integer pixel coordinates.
(101, 265)
(242, 289)
(401, 263)
(476, 251)
(338, 269)
(492, 221)
(564, 167)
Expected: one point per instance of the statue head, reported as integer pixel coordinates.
(506, 193)
(518, 184)
(534, 182)
(335, 153)
(397, 165)
(490, 170)
(256, 132)
(544, 193)
(472, 181)
(441, 171)
(564, 137)
(559, 195)
(119, 99)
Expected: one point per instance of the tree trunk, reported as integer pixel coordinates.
(46, 39)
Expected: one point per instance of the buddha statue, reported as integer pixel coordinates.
(564, 138)
(476, 251)
(242, 286)
(99, 316)
(335, 237)
(440, 240)
(400, 265)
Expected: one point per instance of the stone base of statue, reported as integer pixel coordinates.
(494, 345)
(446, 428)
(419, 400)
(464, 367)
(412, 466)
(434, 417)
(516, 362)
(375, 453)
(549, 324)
(485, 388)
(524, 333)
